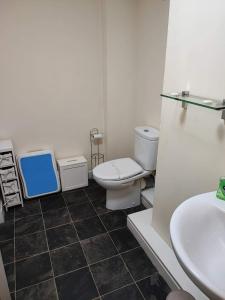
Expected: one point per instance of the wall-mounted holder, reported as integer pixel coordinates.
(185, 98)
(96, 139)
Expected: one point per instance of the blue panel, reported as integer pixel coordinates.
(39, 174)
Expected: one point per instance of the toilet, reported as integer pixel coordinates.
(122, 177)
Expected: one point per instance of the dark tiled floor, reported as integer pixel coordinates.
(114, 220)
(69, 246)
(110, 274)
(68, 258)
(44, 290)
(61, 236)
(28, 225)
(76, 285)
(138, 263)
(123, 239)
(56, 217)
(81, 212)
(7, 250)
(89, 227)
(98, 248)
(32, 270)
(75, 197)
(126, 293)
(30, 245)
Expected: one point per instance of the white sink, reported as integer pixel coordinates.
(197, 230)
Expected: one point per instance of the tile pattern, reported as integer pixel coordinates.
(69, 246)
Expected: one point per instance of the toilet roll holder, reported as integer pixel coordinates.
(96, 139)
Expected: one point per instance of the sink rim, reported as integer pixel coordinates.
(182, 255)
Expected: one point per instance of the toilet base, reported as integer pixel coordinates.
(124, 198)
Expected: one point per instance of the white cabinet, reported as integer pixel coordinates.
(9, 180)
(73, 172)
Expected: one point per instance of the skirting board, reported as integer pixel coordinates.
(161, 255)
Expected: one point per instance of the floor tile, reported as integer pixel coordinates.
(154, 288)
(7, 250)
(89, 228)
(31, 207)
(91, 184)
(33, 270)
(138, 263)
(30, 224)
(100, 206)
(31, 244)
(75, 197)
(110, 274)
(134, 209)
(10, 274)
(56, 217)
(130, 292)
(67, 259)
(123, 239)
(76, 285)
(81, 211)
(114, 220)
(98, 248)
(9, 215)
(43, 291)
(97, 193)
(6, 230)
(53, 201)
(61, 236)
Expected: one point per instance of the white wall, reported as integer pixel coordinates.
(191, 150)
(120, 76)
(135, 56)
(68, 66)
(152, 22)
(50, 73)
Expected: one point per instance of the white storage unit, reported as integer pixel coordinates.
(9, 180)
(73, 172)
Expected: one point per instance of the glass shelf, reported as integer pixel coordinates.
(196, 100)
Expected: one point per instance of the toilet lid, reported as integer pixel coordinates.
(117, 169)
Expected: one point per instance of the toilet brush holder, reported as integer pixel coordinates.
(96, 139)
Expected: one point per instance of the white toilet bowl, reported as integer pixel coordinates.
(121, 177)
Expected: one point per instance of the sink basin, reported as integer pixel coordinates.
(197, 230)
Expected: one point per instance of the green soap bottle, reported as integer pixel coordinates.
(221, 189)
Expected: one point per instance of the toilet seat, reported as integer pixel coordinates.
(118, 169)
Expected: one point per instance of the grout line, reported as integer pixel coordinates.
(24, 235)
(149, 276)
(31, 215)
(84, 254)
(67, 223)
(58, 248)
(35, 284)
(24, 258)
(120, 288)
(57, 296)
(132, 277)
(71, 271)
(8, 239)
(118, 254)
